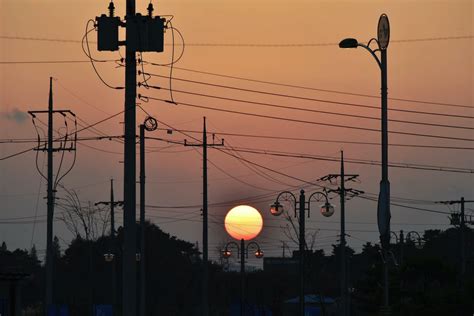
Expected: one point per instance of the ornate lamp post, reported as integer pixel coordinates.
(244, 253)
(326, 209)
(418, 241)
(243, 223)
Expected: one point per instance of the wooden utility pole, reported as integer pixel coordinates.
(205, 243)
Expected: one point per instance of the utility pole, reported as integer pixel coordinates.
(50, 203)
(51, 187)
(129, 270)
(112, 204)
(113, 255)
(460, 219)
(112, 210)
(342, 191)
(205, 244)
(143, 34)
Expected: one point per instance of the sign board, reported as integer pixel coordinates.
(383, 31)
(58, 310)
(103, 310)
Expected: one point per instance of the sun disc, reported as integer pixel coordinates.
(243, 222)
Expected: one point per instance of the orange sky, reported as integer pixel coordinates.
(440, 71)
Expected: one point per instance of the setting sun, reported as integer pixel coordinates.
(243, 222)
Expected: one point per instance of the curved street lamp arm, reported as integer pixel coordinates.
(414, 233)
(277, 201)
(372, 52)
(318, 197)
(232, 243)
(395, 235)
(251, 245)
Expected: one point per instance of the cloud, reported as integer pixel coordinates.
(15, 115)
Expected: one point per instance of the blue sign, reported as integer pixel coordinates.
(3, 307)
(58, 310)
(103, 310)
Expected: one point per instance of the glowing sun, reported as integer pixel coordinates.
(243, 222)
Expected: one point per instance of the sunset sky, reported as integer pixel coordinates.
(430, 58)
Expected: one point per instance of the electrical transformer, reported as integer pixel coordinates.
(107, 33)
(146, 34)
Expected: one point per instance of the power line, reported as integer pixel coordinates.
(248, 45)
(308, 98)
(262, 151)
(310, 110)
(14, 62)
(308, 122)
(316, 89)
(79, 130)
(324, 140)
(353, 161)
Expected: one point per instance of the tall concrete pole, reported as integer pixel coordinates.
(142, 223)
(343, 240)
(112, 210)
(50, 205)
(463, 240)
(302, 242)
(112, 239)
(205, 249)
(129, 288)
(385, 184)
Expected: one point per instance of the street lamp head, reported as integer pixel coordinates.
(259, 253)
(226, 253)
(109, 257)
(276, 209)
(349, 43)
(327, 209)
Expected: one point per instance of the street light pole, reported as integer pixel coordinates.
(343, 239)
(277, 209)
(242, 277)
(383, 207)
(244, 253)
(142, 305)
(385, 184)
(302, 243)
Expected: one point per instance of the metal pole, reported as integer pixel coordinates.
(112, 210)
(343, 240)
(112, 240)
(302, 205)
(50, 205)
(385, 184)
(402, 241)
(463, 241)
(142, 223)
(242, 277)
(205, 250)
(129, 289)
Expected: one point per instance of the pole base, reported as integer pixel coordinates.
(385, 311)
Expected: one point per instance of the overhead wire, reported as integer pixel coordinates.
(313, 110)
(308, 122)
(319, 89)
(89, 55)
(413, 40)
(298, 97)
(352, 161)
(323, 140)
